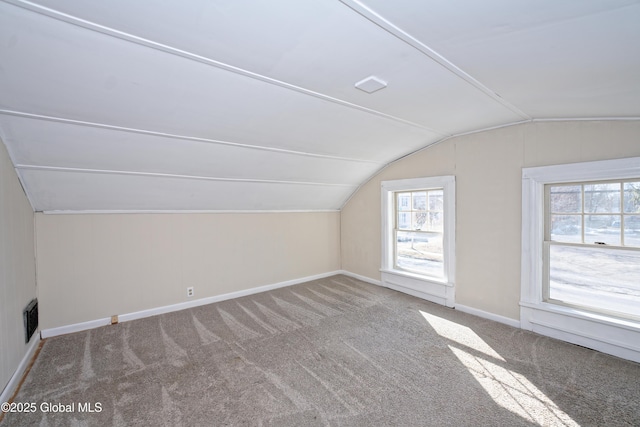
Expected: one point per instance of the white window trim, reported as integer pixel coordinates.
(441, 291)
(616, 336)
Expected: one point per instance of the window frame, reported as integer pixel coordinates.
(600, 331)
(436, 289)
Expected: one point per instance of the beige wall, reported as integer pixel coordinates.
(488, 169)
(95, 266)
(17, 267)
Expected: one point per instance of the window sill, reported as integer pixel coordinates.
(428, 288)
(590, 316)
(416, 276)
(612, 335)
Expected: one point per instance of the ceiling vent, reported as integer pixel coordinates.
(371, 84)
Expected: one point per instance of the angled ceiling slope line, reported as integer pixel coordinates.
(204, 166)
(60, 191)
(21, 167)
(104, 126)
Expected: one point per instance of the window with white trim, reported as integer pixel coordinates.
(418, 228)
(581, 254)
(592, 245)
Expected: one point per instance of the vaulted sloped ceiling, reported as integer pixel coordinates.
(250, 105)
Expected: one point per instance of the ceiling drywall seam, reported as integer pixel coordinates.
(175, 176)
(402, 35)
(590, 119)
(51, 13)
(235, 212)
(174, 136)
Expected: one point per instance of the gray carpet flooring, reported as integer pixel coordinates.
(335, 351)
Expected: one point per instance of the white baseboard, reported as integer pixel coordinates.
(17, 375)
(487, 315)
(77, 327)
(440, 300)
(359, 277)
(218, 298)
(416, 293)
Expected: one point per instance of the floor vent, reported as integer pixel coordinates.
(30, 319)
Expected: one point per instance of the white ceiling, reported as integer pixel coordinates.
(235, 105)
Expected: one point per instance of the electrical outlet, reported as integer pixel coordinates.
(190, 292)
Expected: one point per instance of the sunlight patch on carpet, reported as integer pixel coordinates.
(509, 389)
(460, 334)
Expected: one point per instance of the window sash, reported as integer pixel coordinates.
(401, 206)
(596, 304)
(615, 231)
(396, 256)
(585, 216)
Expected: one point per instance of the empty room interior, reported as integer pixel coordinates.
(340, 212)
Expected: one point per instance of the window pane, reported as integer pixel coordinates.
(602, 198)
(435, 222)
(420, 253)
(404, 220)
(602, 228)
(632, 197)
(596, 277)
(420, 201)
(404, 201)
(566, 199)
(566, 228)
(419, 220)
(632, 230)
(436, 200)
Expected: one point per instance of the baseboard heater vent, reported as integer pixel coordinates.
(30, 319)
